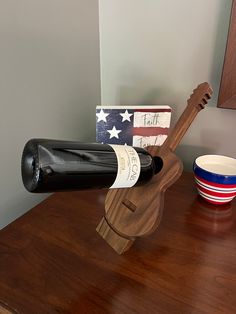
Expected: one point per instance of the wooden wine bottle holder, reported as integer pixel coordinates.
(136, 212)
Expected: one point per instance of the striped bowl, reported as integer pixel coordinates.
(215, 178)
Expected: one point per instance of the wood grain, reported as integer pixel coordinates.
(5, 310)
(137, 211)
(53, 261)
(227, 92)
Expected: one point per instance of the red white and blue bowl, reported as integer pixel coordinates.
(215, 178)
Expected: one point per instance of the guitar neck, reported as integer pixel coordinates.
(181, 127)
(196, 102)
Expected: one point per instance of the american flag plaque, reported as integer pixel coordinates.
(138, 126)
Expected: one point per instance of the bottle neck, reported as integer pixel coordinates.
(158, 164)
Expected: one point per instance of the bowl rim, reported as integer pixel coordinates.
(215, 173)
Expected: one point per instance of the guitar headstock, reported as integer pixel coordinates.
(200, 96)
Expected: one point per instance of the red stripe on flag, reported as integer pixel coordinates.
(152, 110)
(150, 131)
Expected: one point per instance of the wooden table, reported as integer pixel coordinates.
(53, 261)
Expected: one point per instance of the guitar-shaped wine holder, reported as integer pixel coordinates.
(136, 212)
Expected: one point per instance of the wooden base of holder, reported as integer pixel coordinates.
(119, 243)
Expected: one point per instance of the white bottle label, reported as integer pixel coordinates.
(129, 166)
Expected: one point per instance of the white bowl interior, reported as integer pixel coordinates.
(217, 164)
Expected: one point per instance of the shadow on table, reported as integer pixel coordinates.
(212, 219)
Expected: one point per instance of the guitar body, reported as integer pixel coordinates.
(135, 212)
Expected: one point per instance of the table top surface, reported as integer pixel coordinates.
(52, 260)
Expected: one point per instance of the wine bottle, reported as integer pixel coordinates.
(53, 165)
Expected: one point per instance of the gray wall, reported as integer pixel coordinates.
(156, 52)
(49, 83)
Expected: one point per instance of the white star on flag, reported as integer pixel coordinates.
(126, 116)
(102, 116)
(114, 132)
